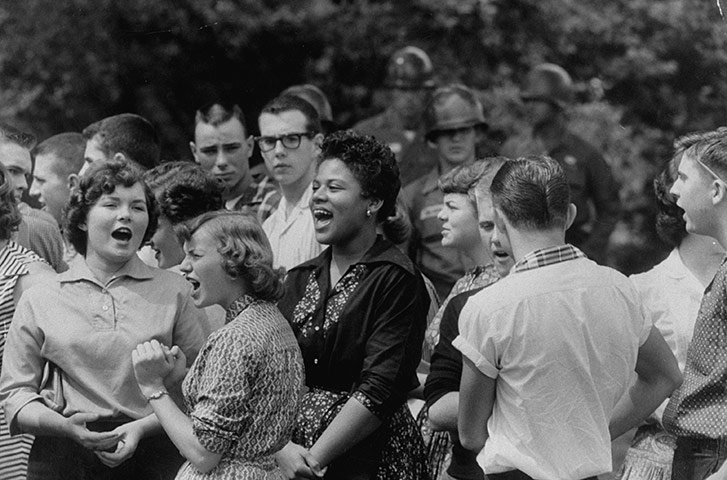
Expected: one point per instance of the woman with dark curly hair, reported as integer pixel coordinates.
(81, 327)
(19, 269)
(672, 291)
(183, 190)
(359, 313)
(242, 391)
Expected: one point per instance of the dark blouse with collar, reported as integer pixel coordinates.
(364, 335)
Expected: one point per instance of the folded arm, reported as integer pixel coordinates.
(658, 376)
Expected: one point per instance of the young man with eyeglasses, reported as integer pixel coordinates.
(697, 411)
(290, 142)
(454, 118)
(223, 146)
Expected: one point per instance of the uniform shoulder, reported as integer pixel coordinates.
(367, 125)
(582, 146)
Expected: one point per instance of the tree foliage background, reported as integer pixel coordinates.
(647, 70)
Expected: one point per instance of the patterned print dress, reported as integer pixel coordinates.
(13, 451)
(242, 392)
(361, 339)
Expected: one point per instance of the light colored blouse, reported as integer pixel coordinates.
(673, 296)
(292, 237)
(88, 329)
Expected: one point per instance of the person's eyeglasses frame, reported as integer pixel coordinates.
(274, 139)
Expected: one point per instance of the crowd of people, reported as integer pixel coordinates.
(388, 302)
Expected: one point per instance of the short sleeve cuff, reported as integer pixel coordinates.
(474, 356)
(645, 330)
(211, 438)
(369, 404)
(13, 407)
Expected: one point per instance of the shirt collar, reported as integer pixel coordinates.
(674, 267)
(547, 256)
(303, 203)
(134, 268)
(237, 307)
(382, 251)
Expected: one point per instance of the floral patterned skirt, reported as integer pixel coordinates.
(438, 446)
(395, 451)
(650, 455)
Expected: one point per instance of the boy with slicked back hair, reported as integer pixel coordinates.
(550, 349)
(697, 412)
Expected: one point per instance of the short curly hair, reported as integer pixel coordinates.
(398, 228)
(465, 179)
(372, 163)
(102, 179)
(9, 214)
(184, 190)
(671, 228)
(244, 248)
(670, 225)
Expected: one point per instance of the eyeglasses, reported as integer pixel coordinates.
(714, 174)
(290, 141)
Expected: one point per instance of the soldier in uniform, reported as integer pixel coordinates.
(548, 91)
(409, 80)
(454, 121)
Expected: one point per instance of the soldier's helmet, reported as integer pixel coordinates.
(451, 107)
(409, 68)
(314, 96)
(550, 83)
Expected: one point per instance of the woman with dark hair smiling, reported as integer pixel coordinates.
(83, 326)
(242, 391)
(19, 269)
(359, 313)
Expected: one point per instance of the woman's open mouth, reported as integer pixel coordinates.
(322, 217)
(122, 234)
(195, 283)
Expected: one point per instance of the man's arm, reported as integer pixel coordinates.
(476, 399)
(657, 376)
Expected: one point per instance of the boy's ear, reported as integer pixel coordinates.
(719, 192)
(571, 215)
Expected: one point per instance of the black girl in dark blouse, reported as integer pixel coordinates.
(359, 313)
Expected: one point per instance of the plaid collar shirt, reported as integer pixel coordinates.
(261, 199)
(547, 256)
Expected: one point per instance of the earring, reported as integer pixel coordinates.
(368, 212)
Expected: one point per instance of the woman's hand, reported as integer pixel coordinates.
(152, 363)
(130, 435)
(76, 430)
(175, 377)
(296, 462)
